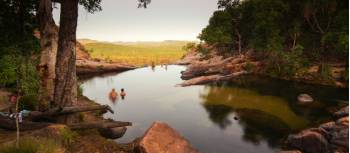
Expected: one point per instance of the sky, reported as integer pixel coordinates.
(121, 20)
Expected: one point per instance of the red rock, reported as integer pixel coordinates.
(308, 141)
(161, 138)
(343, 121)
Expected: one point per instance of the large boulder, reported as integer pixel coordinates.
(340, 139)
(308, 141)
(161, 138)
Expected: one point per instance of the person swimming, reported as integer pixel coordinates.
(122, 93)
(113, 95)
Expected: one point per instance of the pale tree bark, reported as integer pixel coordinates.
(66, 81)
(48, 43)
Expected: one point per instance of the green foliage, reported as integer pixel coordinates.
(80, 90)
(31, 145)
(8, 69)
(325, 71)
(287, 64)
(91, 5)
(273, 26)
(203, 50)
(249, 67)
(28, 102)
(219, 29)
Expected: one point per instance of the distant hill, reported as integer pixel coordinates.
(136, 53)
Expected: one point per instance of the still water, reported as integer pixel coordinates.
(248, 115)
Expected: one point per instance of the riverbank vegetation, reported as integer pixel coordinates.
(19, 48)
(138, 53)
(289, 36)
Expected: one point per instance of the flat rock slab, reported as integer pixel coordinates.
(161, 138)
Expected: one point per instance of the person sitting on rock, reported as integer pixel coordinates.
(122, 93)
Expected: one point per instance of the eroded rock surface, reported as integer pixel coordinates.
(161, 138)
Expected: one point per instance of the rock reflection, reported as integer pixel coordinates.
(263, 118)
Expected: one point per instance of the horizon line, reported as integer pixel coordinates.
(114, 41)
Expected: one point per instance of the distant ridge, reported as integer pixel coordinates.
(89, 41)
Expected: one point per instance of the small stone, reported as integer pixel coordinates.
(305, 98)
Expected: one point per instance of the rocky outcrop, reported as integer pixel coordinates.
(211, 78)
(189, 58)
(215, 69)
(161, 138)
(90, 67)
(328, 137)
(219, 63)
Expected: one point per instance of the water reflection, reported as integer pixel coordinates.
(266, 110)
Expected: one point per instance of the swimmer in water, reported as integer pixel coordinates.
(122, 93)
(113, 95)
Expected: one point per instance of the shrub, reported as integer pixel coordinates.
(80, 90)
(28, 102)
(248, 66)
(287, 64)
(204, 51)
(325, 71)
(189, 46)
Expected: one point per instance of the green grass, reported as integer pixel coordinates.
(32, 145)
(138, 53)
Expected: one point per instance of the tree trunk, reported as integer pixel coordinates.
(66, 82)
(37, 115)
(239, 43)
(103, 124)
(48, 44)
